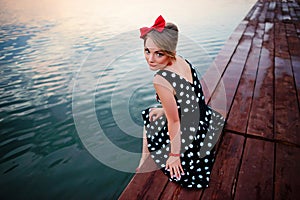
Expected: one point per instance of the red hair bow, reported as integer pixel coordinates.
(159, 25)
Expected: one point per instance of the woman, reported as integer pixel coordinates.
(180, 136)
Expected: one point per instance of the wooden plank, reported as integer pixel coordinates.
(225, 168)
(238, 116)
(252, 10)
(293, 43)
(256, 11)
(213, 74)
(296, 69)
(171, 191)
(255, 179)
(156, 186)
(270, 14)
(140, 182)
(137, 186)
(261, 115)
(287, 119)
(263, 14)
(297, 11)
(222, 98)
(186, 193)
(292, 12)
(287, 172)
(278, 11)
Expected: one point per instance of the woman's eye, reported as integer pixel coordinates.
(147, 51)
(160, 54)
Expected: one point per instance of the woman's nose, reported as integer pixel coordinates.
(151, 58)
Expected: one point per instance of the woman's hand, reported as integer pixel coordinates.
(156, 113)
(173, 164)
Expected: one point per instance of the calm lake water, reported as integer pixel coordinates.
(74, 81)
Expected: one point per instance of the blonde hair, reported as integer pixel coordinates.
(165, 40)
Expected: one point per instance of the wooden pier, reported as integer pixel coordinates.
(258, 73)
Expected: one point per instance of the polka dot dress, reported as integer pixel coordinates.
(200, 129)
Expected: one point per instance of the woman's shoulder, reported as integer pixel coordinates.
(185, 60)
(160, 80)
(160, 76)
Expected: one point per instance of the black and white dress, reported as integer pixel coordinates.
(200, 129)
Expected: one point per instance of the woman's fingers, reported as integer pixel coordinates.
(155, 113)
(171, 172)
(175, 171)
(176, 174)
(170, 169)
(181, 170)
(152, 114)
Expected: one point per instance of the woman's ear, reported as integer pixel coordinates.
(170, 61)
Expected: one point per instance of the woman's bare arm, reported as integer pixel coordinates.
(171, 111)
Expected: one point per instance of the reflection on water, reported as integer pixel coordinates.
(43, 44)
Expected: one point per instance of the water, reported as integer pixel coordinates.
(73, 83)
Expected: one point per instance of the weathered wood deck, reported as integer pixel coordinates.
(258, 155)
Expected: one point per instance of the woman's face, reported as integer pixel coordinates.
(154, 56)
